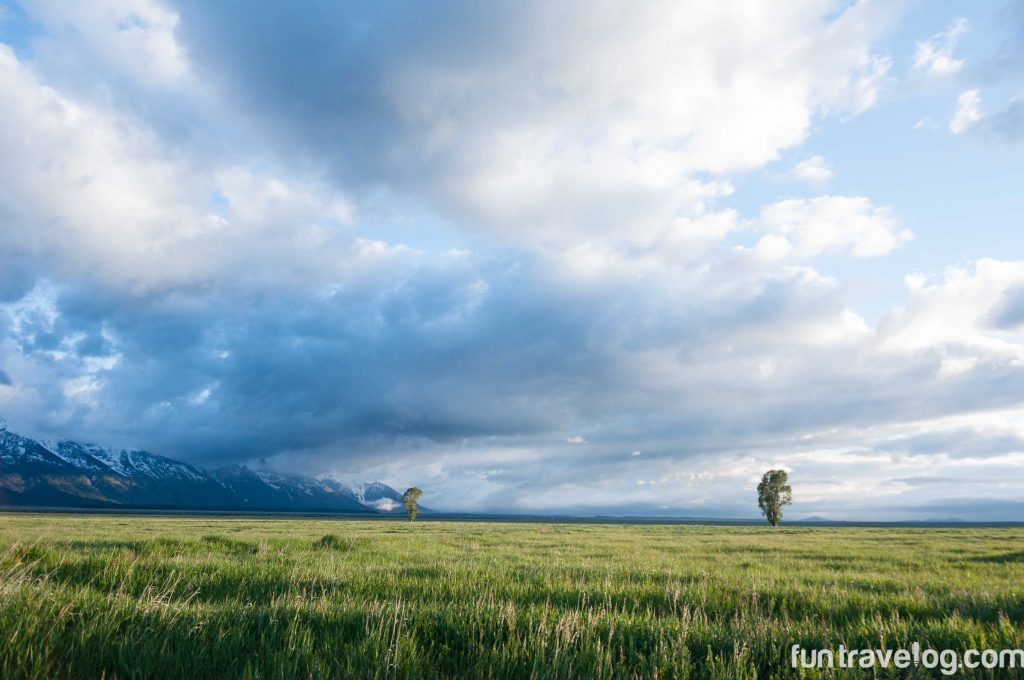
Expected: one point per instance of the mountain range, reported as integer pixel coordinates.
(71, 474)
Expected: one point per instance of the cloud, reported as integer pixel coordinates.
(5, 378)
(82, 184)
(815, 170)
(1008, 312)
(535, 122)
(830, 224)
(132, 38)
(1001, 73)
(598, 156)
(968, 112)
(965, 316)
(477, 374)
(873, 75)
(91, 193)
(934, 56)
(1009, 123)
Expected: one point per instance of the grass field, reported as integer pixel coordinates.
(134, 597)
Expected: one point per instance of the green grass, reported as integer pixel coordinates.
(139, 597)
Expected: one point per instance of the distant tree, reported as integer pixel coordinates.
(409, 498)
(772, 493)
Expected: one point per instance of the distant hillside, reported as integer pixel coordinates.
(71, 474)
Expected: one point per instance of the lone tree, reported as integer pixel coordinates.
(772, 493)
(409, 498)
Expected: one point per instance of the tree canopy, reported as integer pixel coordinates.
(772, 493)
(409, 498)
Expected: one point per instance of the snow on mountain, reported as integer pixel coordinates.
(268, 488)
(70, 473)
(108, 457)
(292, 484)
(373, 491)
(83, 456)
(127, 463)
(377, 495)
(17, 450)
(152, 465)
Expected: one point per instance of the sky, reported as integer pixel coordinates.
(558, 258)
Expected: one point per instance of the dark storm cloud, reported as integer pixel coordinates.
(439, 354)
(471, 349)
(482, 348)
(324, 80)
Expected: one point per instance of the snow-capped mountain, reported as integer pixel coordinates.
(125, 463)
(262, 488)
(24, 451)
(378, 495)
(67, 473)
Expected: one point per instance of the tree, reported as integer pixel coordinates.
(772, 493)
(409, 498)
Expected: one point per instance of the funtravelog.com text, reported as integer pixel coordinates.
(947, 661)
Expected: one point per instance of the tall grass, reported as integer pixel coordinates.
(115, 597)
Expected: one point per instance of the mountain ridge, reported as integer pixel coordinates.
(66, 473)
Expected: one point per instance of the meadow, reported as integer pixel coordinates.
(139, 597)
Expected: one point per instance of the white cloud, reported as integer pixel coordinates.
(385, 504)
(131, 38)
(968, 112)
(864, 88)
(935, 55)
(570, 123)
(831, 224)
(626, 131)
(607, 153)
(99, 183)
(969, 316)
(814, 169)
(99, 195)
